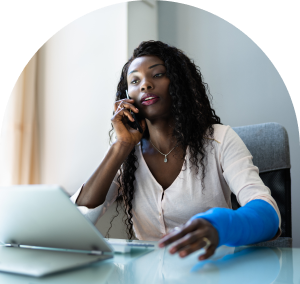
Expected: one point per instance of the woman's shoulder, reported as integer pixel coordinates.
(228, 138)
(220, 132)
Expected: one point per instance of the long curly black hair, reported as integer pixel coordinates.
(190, 108)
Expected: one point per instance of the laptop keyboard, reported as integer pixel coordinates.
(125, 247)
(146, 245)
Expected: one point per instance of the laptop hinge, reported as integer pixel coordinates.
(91, 252)
(96, 252)
(12, 245)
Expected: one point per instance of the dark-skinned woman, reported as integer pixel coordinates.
(176, 177)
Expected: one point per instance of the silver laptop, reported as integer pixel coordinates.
(42, 232)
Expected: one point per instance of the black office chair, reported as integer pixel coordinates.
(269, 145)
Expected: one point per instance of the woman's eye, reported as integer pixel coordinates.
(155, 76)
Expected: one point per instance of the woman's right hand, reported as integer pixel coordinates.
(125, 134)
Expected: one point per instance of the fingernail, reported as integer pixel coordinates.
(182, 253)
(161, 245)
(172, 250)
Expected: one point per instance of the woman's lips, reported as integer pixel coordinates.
(150, 102)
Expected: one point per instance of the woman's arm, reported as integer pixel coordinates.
(93, 214)
(241, 175)
(96, 188)
(94, 191)
(257, 220)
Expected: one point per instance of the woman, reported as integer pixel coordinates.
(184, 163)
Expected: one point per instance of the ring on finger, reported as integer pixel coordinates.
(207, 243)
(121, 106)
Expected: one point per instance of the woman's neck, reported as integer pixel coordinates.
(161, 134)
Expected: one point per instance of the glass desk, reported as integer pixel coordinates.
(228, 265)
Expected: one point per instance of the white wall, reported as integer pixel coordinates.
(245, 86)
(142, 23)
(79, 68)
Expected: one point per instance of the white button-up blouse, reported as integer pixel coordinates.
(229, 168)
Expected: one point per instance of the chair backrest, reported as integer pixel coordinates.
(268, 143)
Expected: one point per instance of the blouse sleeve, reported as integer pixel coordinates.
(241, 175)
(93, 214)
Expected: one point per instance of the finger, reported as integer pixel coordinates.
(131, 101)
(120, 104)
(171, 232)
(191, 239)
(187, 240)
(174, 236)
(192, 247)
(127, 103)
(209, 252)
(121, 113)
(170, 238)
(189, 249)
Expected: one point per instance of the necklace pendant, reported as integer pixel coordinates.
(165, 160)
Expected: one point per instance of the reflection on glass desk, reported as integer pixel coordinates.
(228, 265)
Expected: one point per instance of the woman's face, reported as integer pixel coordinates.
(148, 85)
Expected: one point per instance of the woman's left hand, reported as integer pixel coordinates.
(192, 236)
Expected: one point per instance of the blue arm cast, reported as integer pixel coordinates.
(255, 222)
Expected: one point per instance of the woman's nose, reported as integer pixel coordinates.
(146, 85)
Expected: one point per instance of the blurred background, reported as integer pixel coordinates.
(57, 121)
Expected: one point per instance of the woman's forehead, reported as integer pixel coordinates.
(144, 61)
